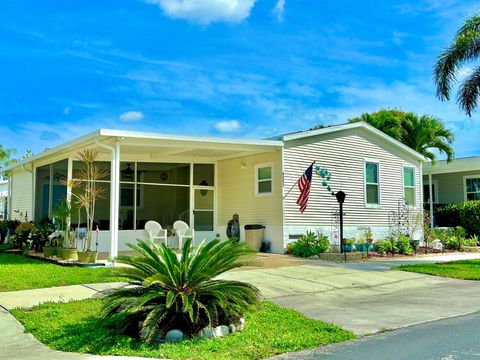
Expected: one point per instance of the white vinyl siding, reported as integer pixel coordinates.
(343, 154)
(372, 184)
(409, 185)
(21, 197)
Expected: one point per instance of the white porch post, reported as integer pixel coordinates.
(113, 180)
(430, 200)
(116, 199)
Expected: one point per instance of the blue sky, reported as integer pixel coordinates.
(232, 68)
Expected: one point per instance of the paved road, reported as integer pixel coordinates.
(450, 339)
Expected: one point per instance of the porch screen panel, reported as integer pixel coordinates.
(163, 204)
(59, 186)
(163, 173)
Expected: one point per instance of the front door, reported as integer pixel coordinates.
(203, 213)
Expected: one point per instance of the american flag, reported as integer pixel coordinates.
(304, 185)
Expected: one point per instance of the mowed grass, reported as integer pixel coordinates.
(21, 273)
(272, 330)
(463, 269)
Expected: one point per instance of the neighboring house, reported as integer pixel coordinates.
(204, 181)
(451, 183)
(3, 198)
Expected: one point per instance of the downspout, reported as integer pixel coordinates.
(113, 186)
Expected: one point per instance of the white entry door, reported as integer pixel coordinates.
(204, 213)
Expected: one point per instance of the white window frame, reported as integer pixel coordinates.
(410, 187)
(367, 205)
(465, 184)
(264, 165)
(435, 189)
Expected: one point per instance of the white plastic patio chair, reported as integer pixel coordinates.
(182, 230)
(155, 232)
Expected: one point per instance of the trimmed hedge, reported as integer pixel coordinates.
(466, 215)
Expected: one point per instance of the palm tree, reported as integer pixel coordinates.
(389, 121)
(424, 133)
(421, 133)
(464, 48)
(170, 293)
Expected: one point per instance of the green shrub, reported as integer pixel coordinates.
(171, 293)
(309, 244)
(403, 245)
(453, 243)
(399, 246)
(470, 216)
(466, 215)
(447, 216)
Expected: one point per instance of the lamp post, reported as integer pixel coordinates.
(340, 195)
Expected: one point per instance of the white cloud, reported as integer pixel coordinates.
(279, 10)
(226, 126)
(206, 11)
(129, 116)
(66, 110)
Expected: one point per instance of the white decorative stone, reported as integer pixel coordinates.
(221, 331)
(207, 332)
(174, 335)
(241, 325)
(232, 328)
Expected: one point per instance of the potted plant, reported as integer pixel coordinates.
(360, 245)
(368, 236)
(86, 196)
(62, 214)
(53, 244)
(348, 244)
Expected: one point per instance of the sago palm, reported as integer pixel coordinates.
(168, 293)
(464, 48)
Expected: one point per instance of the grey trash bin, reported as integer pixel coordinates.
(254, 236)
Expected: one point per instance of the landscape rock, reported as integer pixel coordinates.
(221, 331)
(241, 325)
(174, 335)
(207, 332)
(232, 328)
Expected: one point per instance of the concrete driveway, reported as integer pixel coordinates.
(364, 297)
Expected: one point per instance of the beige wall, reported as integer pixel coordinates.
(21, 196)
(451, 187)
(236, 194)
(343, 154)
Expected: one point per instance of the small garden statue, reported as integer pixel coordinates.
(233, 227)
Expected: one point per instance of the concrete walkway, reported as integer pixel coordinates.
(365, 297)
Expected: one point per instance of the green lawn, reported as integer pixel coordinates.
(464, 269)
(272, 330)
(20, 273)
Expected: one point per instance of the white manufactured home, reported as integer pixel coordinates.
(204, 181)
